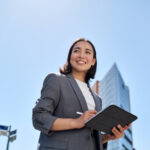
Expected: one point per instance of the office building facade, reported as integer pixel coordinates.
(113, 90)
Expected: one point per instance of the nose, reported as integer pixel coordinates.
(81, 54)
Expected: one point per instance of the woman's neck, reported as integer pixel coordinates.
(79, 75)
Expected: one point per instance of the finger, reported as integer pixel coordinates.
(120, 128)
(87, 116)
(115, 131)
(127, 126)
(92, 111)
(89, 112)
(90, 115)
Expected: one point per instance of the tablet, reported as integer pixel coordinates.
(110, 117)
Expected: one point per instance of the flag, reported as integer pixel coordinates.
(12, 138)
(3, 127)
(13, 132)
(3, 133)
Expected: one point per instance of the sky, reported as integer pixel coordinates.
(35, 36)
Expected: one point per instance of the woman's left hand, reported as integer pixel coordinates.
(118, 133)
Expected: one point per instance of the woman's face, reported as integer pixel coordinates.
(82, 57)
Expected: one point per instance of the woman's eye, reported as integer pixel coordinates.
(76, 50)
(87, 52)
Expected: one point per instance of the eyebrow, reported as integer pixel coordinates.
(76, 48)
(88, 49)
(79, 48)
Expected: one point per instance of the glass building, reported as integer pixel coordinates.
(112, 90)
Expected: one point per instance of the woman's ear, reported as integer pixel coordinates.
(93, 61)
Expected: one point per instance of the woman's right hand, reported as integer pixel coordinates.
(80, 122)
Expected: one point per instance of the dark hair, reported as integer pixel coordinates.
(67, 68)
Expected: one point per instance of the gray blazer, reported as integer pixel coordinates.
(62, 98)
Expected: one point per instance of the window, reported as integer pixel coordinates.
(128, 139)
(124, 147)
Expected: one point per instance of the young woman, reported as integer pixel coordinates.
(63, 96)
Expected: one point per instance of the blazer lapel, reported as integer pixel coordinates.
(78, 92)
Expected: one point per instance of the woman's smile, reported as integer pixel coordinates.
(80, 62)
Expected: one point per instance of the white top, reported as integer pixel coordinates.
(87, 94)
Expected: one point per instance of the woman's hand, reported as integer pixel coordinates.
(80, 122)
(118, 133)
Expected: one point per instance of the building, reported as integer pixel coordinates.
(112, 90)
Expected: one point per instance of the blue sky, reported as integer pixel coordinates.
(35, 36)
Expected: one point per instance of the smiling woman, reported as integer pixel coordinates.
(81, 60)
(63, 96)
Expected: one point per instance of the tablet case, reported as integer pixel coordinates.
(109, 118)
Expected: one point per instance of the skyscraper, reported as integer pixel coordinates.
(112, 90)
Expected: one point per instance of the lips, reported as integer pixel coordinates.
(81, 62)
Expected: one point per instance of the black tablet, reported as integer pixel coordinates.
(109, 118)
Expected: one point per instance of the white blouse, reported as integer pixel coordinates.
(87, 94)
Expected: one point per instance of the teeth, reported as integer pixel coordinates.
(81, 62)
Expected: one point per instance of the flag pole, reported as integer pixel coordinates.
(8, 138)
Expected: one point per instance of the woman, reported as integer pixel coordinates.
(63, 96)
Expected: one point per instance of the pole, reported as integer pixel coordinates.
(8, 138)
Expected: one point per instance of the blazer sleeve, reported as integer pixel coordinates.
(42, 116)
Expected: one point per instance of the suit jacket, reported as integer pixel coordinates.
(62, 98)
